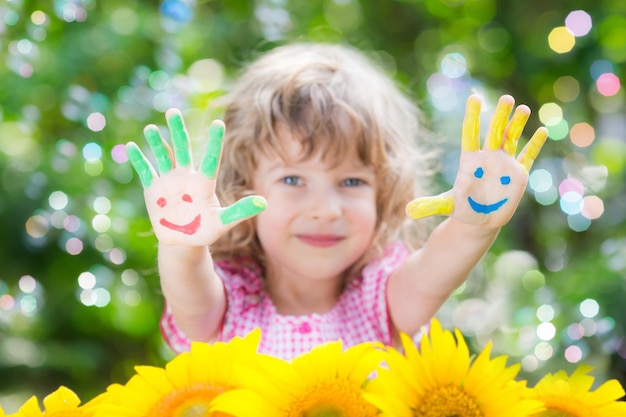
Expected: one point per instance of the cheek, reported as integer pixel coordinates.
(272, 219)
(364, 215)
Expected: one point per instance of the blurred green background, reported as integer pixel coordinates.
(79, 292)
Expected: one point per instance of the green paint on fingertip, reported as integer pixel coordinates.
(159, 149)
(214, 149)
(180, 140)
(242, 209)
(138, 161)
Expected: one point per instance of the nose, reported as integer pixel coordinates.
(323, 203)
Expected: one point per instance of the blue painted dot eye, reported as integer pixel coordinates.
(479, 172)
(505, 180)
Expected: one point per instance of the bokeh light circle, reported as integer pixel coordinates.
(582, 134)
(561, 40)
(593, 207)
(608, 84)
(578, 22)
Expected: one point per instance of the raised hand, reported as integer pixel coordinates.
(491, 181)
(180, 200)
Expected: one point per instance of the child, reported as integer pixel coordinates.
(309, 239)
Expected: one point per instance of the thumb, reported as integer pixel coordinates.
(242, 209)
(421, 207)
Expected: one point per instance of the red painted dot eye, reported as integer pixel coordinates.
(187, 198)
(161, 202)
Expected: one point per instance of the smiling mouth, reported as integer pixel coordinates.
(486, 208)
(188, 229)
(320, 241)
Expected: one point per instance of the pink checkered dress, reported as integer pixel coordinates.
(360, 315)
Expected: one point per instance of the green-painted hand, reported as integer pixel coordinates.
(491, 181)
(180, 200)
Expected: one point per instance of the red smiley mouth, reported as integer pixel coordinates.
(188, 229)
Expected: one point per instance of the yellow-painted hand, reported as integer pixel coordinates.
(491, 181)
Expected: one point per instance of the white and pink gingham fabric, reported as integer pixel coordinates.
(360, 315)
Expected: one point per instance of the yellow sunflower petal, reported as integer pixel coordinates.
(61, 399)
(390, 406)
(573, 396)
(243, 403)
(609, 391)
(30, 408)
(358, 362)
(156, 378)
(138, 387)
(208, 362)
(283, 378)
(178, 369)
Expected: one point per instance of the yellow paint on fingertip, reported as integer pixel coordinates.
(534, 147)
(470, 141)
(499, 122)
(430, 206)
(520, 117)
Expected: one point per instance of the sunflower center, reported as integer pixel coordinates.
(323, 411)
(191, 400)
(333, 399)
(448, 401)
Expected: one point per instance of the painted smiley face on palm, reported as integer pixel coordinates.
(178, 205)
(488, 187)
(189, 228)
(488, 208)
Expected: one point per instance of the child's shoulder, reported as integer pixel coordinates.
(390, 258)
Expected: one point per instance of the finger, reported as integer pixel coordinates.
(493, 140)
(246, 207)
(470, 140)
(211, 159)
(180, 138)
(528, 155)
(514, 129)
(430, 206)
(160, 148)
(140, 163)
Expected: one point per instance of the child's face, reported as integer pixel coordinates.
(320, 218)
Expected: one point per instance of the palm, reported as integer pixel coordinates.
(491, 181)
(181, 201)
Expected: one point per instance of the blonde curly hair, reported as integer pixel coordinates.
(335, 100)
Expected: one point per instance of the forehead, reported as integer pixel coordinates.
(291, 148)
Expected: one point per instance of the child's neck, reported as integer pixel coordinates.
(298, 297)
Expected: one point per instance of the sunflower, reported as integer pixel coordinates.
(572, 397)
(186, 386)
(61, 403)
(325, 382)
(441, 380)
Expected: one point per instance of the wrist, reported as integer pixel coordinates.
(182, 251)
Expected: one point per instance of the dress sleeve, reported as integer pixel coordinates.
(173, 336)
(240, 279)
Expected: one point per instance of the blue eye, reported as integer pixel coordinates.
(352, 182)
(505, 180)
(479, 172)
(291, 180)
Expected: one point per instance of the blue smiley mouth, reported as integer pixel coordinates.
(486, 208)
